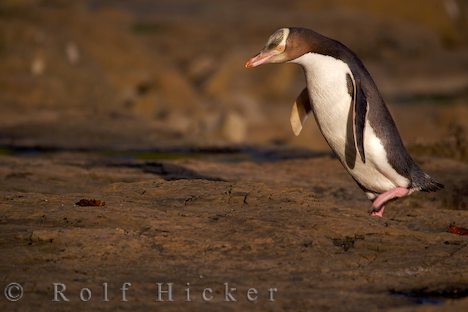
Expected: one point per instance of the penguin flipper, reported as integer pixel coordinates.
(359, 116)
(301, 109)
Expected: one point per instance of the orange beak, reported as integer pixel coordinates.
(259, 59)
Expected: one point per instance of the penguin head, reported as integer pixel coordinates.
(274, 50)
(287, 44)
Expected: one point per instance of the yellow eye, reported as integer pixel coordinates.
(280, 48)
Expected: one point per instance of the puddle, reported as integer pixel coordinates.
(222, 154)
(433, 296)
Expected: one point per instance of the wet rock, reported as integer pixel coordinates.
(200, 68)
(146, 106)
(38, 66)
(234, 127)
(72, 52)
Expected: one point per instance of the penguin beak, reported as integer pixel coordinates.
(259, 59)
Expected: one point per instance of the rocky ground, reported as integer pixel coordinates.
(299, 225)
(147, 108)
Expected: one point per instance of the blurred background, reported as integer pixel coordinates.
(147, 74)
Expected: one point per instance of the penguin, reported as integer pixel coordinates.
(350, 112)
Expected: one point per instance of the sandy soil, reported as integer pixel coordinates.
(147, 107)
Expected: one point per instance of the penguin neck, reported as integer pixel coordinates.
(321, 70)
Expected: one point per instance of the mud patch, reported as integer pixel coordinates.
(90, 202)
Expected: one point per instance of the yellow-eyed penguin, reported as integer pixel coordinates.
(350, 113)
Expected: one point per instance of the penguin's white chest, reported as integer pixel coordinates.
(331, 104)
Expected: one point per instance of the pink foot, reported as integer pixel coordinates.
(378, 213)
(377, 208)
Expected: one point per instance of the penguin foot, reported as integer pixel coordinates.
(377, 207)
(377, 213)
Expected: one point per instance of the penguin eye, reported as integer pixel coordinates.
(271, 46)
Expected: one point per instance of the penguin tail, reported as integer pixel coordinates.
(432, 186)
(425, 183)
